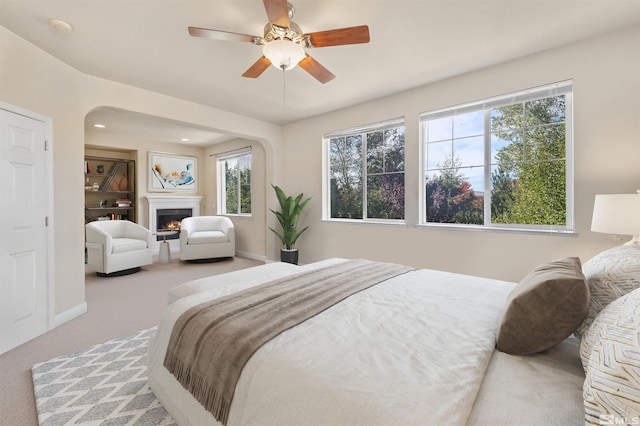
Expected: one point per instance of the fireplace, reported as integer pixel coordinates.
(171, 204)
(169, 220)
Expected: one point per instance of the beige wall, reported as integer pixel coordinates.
(605, 73)
(34, 80)
(607, 108)
(139, 148)
(250, 230)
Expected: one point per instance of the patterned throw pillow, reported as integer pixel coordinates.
(610, 275)
(612, 385)
(606, 322)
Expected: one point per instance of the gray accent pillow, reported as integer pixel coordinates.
(610, 275)
(544, 308)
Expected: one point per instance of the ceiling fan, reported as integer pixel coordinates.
(284, 43)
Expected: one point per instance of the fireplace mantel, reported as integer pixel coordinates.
(171, 202)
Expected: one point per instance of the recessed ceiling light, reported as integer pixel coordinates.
(99, 126)
(184, 140)
(60, 26)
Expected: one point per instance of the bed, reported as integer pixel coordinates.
(418, 348)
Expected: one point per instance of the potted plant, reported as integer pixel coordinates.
(100, 168)
(290, 209)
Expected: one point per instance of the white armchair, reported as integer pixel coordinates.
(207, 237)
(118, 246)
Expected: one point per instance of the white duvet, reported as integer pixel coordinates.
(410, 351)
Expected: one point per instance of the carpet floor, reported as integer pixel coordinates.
(103, 385)
(116, 306)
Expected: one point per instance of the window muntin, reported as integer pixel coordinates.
(366, 173)
(234, 184)
(502, 162)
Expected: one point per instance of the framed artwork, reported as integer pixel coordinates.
(172, 173)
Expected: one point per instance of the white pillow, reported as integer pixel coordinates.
(610, 275)
(612, 385)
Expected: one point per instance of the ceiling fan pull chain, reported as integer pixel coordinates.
(284, 94)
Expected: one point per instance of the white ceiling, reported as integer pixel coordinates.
(145, 43)
(149, 127)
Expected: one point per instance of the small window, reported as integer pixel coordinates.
(501, 162)
(234, 183)
(366, 173)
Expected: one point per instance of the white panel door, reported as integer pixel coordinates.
(24, 299)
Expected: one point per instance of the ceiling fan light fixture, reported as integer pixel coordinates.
(283, 54)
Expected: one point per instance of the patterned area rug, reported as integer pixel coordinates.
(103, 385)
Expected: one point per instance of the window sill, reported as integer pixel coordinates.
(457, 227)
(367, 222)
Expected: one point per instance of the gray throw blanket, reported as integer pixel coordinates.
(211, 343)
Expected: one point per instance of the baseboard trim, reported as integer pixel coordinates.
(252, 256)
(69, 314)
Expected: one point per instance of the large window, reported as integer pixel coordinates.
(366, 172)
(501, 162)
(234, 182)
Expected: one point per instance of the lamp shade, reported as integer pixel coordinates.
(283, 54)
(616, 214)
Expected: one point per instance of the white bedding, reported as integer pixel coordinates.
(412, 350)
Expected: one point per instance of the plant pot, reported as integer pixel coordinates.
(289, 256)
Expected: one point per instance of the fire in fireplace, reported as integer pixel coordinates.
(169, 220)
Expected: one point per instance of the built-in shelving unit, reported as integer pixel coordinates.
(110, 188)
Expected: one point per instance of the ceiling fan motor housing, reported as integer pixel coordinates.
(293, 33)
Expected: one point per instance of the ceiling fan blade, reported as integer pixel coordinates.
(314, 68)
(339, 37)
(278, 12)
(258, 68)
(224, 35)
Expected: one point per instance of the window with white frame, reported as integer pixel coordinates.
(365, 170)
(234, 182)
(501, 162)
